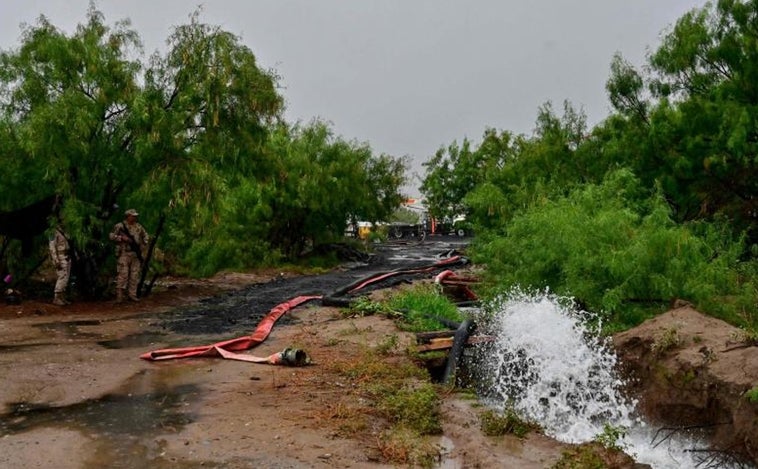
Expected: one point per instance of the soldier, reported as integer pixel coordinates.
(130, 238)
(60, 255)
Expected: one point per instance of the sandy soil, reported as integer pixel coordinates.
(76, 395)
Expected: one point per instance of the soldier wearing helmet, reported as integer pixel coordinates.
(131, 239)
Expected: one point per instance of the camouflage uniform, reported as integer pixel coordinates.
(129, 265)
(59, 253)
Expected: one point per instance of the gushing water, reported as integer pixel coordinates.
(552, 369)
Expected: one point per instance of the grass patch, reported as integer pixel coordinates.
(605, 451)
(404, 446)
(421, 306)
(364, 306)
(593, 455)
(402, 396)
(752, 395)
(413, 407)
(587, 456)
(352, 329)
(388, 345)
(612, 437)
(507, 423)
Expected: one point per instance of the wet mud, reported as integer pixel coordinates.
(244, 308)
(76, 395)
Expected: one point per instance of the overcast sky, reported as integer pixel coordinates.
(408, 76)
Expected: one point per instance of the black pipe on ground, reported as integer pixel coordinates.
(456, 352)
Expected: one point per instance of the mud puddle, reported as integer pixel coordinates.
(122, 425)
(131, 417)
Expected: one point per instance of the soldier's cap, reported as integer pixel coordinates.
(131, 211)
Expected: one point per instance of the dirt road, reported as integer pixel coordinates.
(76, 395)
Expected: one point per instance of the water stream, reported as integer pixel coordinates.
(553, 370)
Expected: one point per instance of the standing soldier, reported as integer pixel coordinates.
(130, 238)
(60, 255)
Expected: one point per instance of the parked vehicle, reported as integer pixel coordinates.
(400, 230)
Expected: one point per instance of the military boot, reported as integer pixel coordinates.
(120, 295)
(60, 300)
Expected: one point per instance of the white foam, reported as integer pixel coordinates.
(551, 368)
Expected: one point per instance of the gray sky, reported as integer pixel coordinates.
(408, 76)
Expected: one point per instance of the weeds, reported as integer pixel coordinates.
(423, 307)
(364, 306)
(749, 337)
(401, 445)
(605, 451)
(752, 395)
(352, 329)
(581, 457)
(667, 341)
(387, 345)
(612, 437)
(506, 423)
(401, 394)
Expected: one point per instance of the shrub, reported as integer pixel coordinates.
(620, 255)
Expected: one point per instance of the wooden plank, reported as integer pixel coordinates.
(447, 343)
(425, 337)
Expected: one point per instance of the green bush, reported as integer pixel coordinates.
(621, 255)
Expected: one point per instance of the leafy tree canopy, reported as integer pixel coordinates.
(193, 137)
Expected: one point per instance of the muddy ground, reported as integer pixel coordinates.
(76, 394)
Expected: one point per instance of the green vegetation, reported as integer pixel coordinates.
(666, 341)
(193, 137)
(752, 395)
(605, 451)
(364, 306)
(612, 437)
(505, 423)
(401, 445)
(388, 345)
(401, 393)
(416, 309)
(582, 457)
(656, 203)
(421, 306)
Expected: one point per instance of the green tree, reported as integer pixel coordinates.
(320, 182)
(707, 68)
(201, 126)
(626, 89)
(82, 119)
(65, 101)
(455, 171)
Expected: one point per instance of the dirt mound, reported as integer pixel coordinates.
(691, 373)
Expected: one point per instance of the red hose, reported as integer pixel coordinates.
(227, 348)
